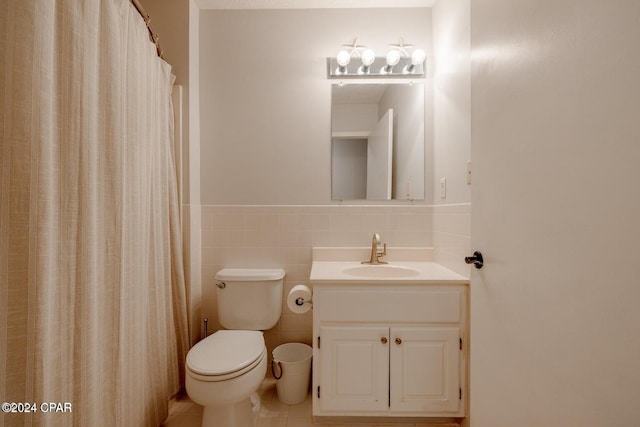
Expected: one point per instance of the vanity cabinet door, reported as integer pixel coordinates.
(425, 370)
(354, 370)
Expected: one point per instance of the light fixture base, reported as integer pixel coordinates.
(379, 68)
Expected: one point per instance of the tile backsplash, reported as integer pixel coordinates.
(283, 236)
(452, 236)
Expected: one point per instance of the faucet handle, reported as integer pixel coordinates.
(381, 254)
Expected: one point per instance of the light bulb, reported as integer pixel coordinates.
(393, 57)
(368, 56)
(418, 56)
(343, 58)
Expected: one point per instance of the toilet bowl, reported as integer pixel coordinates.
(223, 371)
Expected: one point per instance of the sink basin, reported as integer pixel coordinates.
(384, 270)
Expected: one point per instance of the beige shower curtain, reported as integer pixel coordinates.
(92, 295)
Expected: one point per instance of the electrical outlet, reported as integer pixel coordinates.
(443, 188)
(469, 172)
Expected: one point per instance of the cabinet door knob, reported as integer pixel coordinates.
(398, 341)
(383, 340)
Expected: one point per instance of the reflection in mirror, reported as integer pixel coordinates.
(377, 141)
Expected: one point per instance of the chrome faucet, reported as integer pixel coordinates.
(375, 253)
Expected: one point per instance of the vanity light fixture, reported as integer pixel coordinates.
(397, 63)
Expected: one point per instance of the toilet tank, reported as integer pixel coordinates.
(249, 298)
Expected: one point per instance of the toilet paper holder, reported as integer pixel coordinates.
(299, 299)
(302, 301)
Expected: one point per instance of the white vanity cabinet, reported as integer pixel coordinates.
(389, 350)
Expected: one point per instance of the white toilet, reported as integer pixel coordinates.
(225, 370)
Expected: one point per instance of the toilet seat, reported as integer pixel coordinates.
(228, 376)
(225, 355)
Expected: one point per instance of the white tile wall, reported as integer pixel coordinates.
(452, 236)
(282, 236)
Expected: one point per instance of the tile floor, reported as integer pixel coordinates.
(184, 413)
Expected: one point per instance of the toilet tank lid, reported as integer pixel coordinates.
(250, 274)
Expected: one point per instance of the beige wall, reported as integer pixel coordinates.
(265, 97)
(451, 100)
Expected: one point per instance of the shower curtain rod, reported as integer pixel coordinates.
(147, 19)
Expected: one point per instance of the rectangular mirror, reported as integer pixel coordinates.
(377, 141)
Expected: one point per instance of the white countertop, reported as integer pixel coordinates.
(329, 265)
(428, 272)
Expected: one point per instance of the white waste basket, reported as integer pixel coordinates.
(291, 367)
